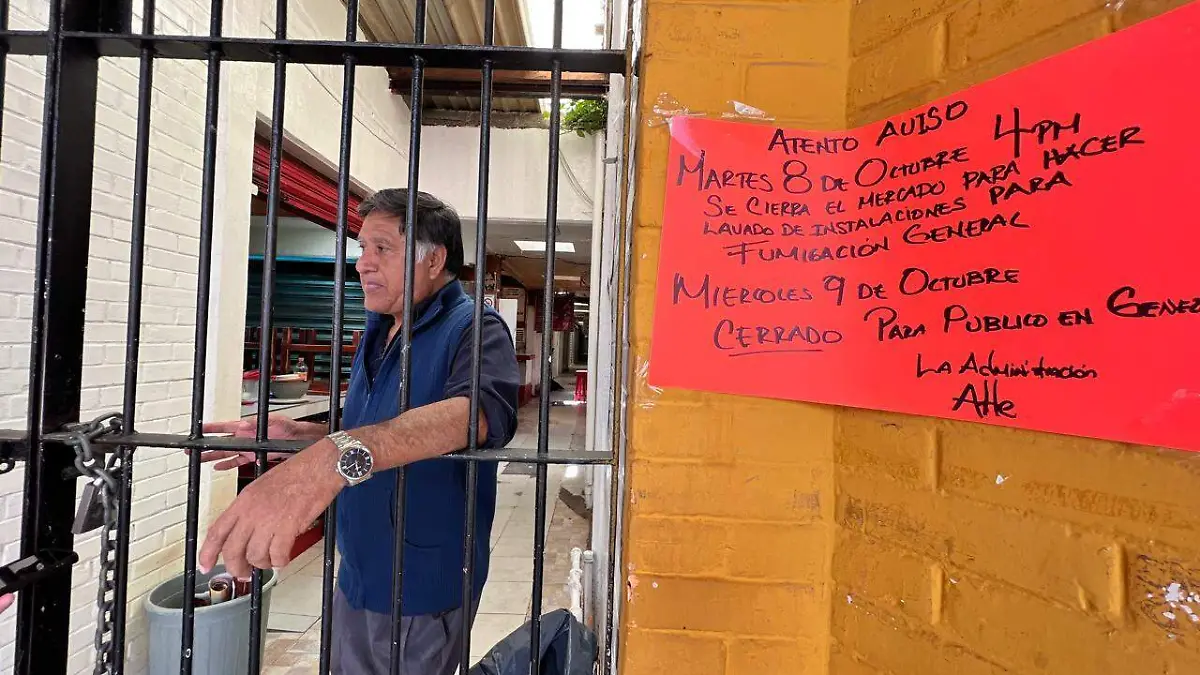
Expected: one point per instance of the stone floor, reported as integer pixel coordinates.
(293, 643)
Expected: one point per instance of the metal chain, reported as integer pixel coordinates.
(104, 475)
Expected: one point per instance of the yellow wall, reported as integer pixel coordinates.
(769, 537)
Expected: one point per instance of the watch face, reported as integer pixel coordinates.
(355, 463)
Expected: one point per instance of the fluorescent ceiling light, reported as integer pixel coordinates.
(540, 246)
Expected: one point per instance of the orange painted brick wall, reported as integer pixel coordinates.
(962, 549)
(770, 537)
(731, 499)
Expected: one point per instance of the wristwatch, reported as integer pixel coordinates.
(355, 461)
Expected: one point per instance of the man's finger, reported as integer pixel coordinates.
(228, 427)
(258, 548)
(281, 549)
(215, 541)
(6, 601)
(234, 550)
(239, 459)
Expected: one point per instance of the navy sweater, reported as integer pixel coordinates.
(435, 503)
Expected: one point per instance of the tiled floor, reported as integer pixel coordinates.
(293, 643)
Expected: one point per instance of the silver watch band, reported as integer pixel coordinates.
(344, 442)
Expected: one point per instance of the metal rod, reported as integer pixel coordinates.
(410, 263)
(200, 358)
(133, 331)
(624, 370)
(56, 336)
(227, 443)
(335, 349)
(3, 62)
(410, 251)
(540, 489)
(481, 216)
(266, 338)
(323, 52)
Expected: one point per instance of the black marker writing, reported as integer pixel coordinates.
(1092, 147)
(716, 295)
(923, 122)
(708, 178)
(1122, 303)
(1043, 131)
(985, 404)
(728, 336)
(796, 145)
(917, 234)
(763, 251)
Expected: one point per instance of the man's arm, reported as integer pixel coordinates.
(441, 428)
(421, 433)
(278, 428)
(265, 519)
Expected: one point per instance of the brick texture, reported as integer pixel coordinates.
(170, 280)
(730, 497)
(967, 548)
(895, 545)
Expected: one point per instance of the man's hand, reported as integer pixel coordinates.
(262, 524)
(279, 428)
(6, 601)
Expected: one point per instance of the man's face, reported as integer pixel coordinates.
(381, 266)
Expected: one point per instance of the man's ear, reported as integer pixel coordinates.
(437, 262)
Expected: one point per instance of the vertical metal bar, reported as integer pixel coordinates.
(410, 262)
(266, 340)
(335, 348)
(203, 291)
(481, 215)
(133, 332)
(3, 63)
(630, 126)
(56, 337)
(539, 514)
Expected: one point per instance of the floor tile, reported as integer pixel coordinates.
(505, 597)
(300, 594)
(519, 528)
(277, 645)
(511, 568)
(490, 629)
(312, 553)
(501, 519)
(316, 568)
(289, 623)
(513, 547)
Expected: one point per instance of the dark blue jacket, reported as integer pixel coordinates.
(435, 489)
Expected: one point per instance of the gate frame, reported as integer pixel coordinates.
(80, 33)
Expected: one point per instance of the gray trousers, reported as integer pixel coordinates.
(362, 641)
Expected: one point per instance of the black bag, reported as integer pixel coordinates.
(567, 648)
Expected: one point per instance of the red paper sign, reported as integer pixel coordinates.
(1024, 254)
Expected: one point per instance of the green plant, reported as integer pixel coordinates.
(585, 116)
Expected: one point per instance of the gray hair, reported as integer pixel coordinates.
(436, 223)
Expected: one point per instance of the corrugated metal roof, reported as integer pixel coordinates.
(450, 22)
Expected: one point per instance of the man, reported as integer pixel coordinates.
(357, 467)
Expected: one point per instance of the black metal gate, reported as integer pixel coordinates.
(57, 449)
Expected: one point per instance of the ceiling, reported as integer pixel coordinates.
(529, 267)
(449, 22)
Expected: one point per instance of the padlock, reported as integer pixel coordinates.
(90, 514)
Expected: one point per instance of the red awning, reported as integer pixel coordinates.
(303, 190)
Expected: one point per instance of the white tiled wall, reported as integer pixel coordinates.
(164, 391)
